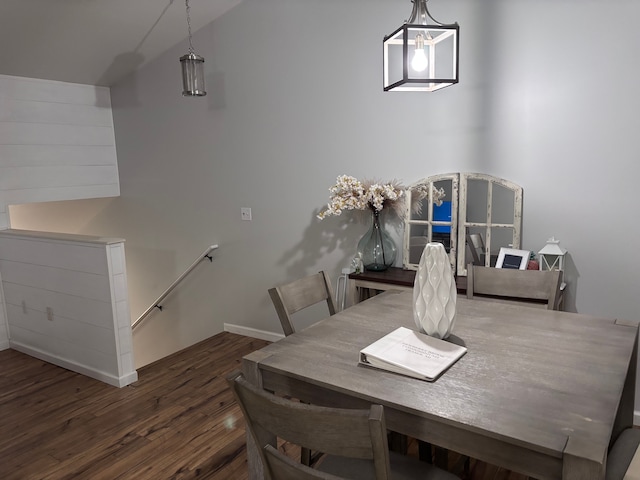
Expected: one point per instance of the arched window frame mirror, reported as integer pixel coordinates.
(495, 226)
(474, 216)
(421, 226)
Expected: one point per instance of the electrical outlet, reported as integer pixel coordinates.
(245, 213)
(50, 314)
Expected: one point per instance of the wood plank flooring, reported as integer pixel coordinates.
(178, 421)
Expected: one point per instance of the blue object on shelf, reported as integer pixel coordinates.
(442, 213)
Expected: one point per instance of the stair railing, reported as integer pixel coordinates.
(156, 304)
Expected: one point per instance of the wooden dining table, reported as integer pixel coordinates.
(542, 393)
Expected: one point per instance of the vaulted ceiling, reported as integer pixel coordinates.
(94, 42)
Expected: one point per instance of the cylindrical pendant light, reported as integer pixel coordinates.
(192, 75)
(192, 67)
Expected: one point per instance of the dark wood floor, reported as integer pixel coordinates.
(178, 421)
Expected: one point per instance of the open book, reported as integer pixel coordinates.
(412, 353)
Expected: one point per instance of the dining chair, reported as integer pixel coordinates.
(526, 287)
(623, 460)
(416, 247)
(476, 247)
(354, 441)
(299, 294)
(295, 296)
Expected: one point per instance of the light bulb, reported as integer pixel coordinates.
(419, 62)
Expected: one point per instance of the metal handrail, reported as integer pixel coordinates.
(156, 304)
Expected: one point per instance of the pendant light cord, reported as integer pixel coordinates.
(189, 26)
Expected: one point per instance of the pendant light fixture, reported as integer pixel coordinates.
(192, 67)
(421, 56)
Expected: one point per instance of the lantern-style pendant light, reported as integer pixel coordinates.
(419, 56)
(192, 67)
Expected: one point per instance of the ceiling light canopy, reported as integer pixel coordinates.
(421, 55)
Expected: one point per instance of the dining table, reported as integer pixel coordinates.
(539, 392)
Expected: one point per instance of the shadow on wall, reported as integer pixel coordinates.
(120, 65)
(321, 238)
(571, 276)
(128, 62)
(215, 91)
(324, 237)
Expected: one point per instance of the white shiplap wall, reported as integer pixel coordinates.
(4, 331)
(56, 142)
(66, 302)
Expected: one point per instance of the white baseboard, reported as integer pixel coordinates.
(253, 332)
(4, 345)
(636, 417)
(76, 367)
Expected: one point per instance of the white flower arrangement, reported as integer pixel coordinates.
(349, 193)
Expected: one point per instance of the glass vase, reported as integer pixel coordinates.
(376, 247)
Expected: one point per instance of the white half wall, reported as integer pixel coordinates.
(4, 328)
(56, 143)
(66, 302)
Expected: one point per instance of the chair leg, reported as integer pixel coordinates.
(462, 467)
(437, 455)
(305, 456)
(441, 457)
(397, 442)
(308, 457)
(424, 451)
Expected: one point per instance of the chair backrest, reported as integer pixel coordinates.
(302, 293)
(416, 247)
(535, 286)
(335, 431)
(476, 246)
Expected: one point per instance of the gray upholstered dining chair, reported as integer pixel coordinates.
(354, 441)
(299, 294)
(527, 287)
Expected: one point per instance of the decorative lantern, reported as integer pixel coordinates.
(419, 57)
(192, 67)
(552, 256)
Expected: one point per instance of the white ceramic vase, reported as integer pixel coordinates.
(434, 293)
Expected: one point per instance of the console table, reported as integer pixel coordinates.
(367, 284)
(362, 286)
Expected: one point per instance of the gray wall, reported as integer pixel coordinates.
(547, 99)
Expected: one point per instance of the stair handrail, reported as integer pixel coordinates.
(156, 304)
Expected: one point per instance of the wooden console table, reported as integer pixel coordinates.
(362, 286)
(367, 284)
